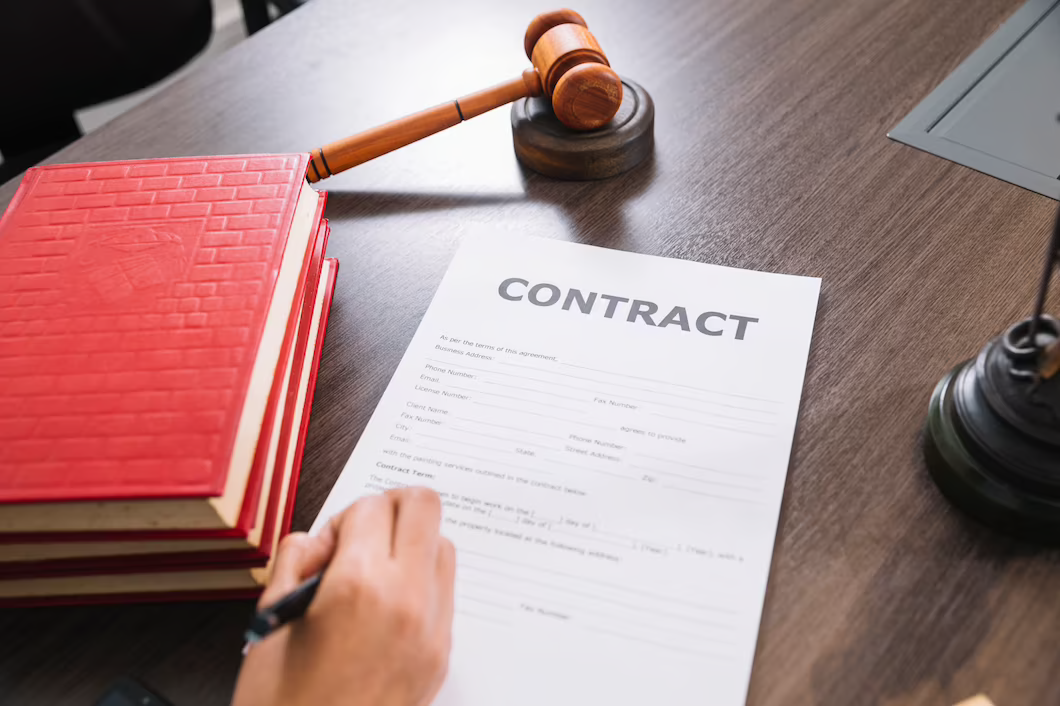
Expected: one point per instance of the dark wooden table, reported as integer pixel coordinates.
(771, 154)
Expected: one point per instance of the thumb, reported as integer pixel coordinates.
(298, 557)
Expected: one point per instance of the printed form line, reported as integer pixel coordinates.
(597, 597)
(546, 416)
(518, 399)
(602, 382)
(577, 610)
(695, 467)
(711, 495)
(501, 438)
(598, 582)
(462, 443)
(713, 426)
(501, 426)
(477, 458)
(694, 479)
(642, 389)
(635, 399)
(665, 382)
(476, 599)
(538, 392)
(483, 618)
(587, 468)
(663, 645)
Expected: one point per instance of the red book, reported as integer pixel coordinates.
(146, 314)
(284, 452)
(200, 576)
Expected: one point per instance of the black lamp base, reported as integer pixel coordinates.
(992, 441)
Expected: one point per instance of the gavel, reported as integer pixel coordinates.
(568, 66)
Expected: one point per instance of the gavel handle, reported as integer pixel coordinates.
(357, 149)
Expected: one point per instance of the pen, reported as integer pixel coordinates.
(290, 607)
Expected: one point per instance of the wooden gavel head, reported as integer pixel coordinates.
(574, 73)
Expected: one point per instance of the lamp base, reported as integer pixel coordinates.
(992, 441)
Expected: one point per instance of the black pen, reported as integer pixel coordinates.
(290, 607)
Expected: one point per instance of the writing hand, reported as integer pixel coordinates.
(378, 631)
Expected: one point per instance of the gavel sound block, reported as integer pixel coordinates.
(573, 116)
(549, 147)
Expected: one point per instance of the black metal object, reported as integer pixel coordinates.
(256, 13)
(992, 441)
(1047, 275)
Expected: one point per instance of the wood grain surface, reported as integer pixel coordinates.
(770, 154)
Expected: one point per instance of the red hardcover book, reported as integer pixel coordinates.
(206, 579)
(144, 334)
(284, 460)
(40, 558)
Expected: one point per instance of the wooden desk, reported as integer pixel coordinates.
(771, 154)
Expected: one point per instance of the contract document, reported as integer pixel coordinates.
(610, 435)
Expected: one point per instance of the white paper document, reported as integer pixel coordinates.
(610, 434)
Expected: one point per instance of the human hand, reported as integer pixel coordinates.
(378, 631)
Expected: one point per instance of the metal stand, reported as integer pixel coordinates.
(993, 431)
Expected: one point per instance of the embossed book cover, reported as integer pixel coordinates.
(147, 315)
(161, 324)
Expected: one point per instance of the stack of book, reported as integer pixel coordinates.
(160, 329)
